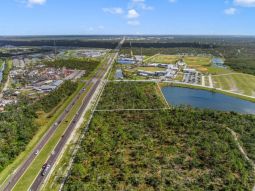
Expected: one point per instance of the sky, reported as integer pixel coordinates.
(159, 17)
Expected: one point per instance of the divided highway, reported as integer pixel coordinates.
(94, 84)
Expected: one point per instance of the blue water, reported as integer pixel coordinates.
(207, 100)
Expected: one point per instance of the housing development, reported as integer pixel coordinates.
(119, 110)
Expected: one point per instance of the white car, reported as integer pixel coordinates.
(36, 152)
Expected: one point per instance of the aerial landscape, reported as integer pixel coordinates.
(132, 95)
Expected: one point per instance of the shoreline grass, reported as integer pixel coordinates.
(243, 97)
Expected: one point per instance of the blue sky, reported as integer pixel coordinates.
(82, 17)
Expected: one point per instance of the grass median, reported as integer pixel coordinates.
(42, 130)
(56, 178)
(27, 179)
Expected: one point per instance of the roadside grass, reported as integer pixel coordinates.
(241, 83)
(56, 178)
(103, 60)
(47, 121)
(28, 177)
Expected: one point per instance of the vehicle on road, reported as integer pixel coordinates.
(46, 169)
(36, 152)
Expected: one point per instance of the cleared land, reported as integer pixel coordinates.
(236, 82)
(178, 149)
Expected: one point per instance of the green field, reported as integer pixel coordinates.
(197, 60)
(236, 82)
(151, 69)
(168, 59)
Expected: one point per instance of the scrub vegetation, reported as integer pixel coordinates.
(181, 149)
(50, 101)
(175, 149)
(75, 63)
(131, 95)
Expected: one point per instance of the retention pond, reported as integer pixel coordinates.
(177, 96)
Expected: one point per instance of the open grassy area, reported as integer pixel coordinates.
(151, 69)
(168, 59)
(217, 70)
(27, 179)
(236, 82)
(197, 60)
(139, 96)
(181, 149)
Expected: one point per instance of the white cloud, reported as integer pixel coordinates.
(245, 3)
(172, 1)
(230, 11)
(140, 4)
(35, 2)
(132, 14)
(138, 1)
(134, 23)
(146, 7)
(114, 10)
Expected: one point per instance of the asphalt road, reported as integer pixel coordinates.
(14, 179)
(95, 81)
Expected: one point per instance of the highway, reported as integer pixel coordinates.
(94, 84)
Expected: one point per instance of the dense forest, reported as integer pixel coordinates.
(17, 123)
(75, 63)
(50, 101)
(16, 130)
(62, 43)
(176, 149)
(179, 149)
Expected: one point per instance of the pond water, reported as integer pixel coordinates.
(207, 100)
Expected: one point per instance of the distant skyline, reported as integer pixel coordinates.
(114, 17)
